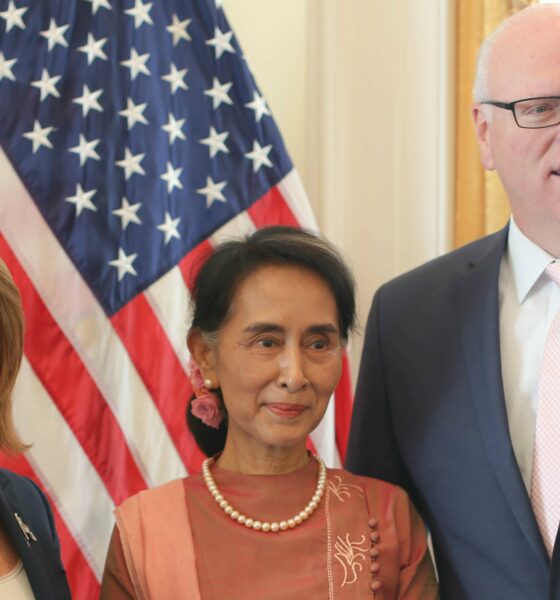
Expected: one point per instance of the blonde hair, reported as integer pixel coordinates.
(11, 352)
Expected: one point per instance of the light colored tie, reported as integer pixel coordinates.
(545, 482)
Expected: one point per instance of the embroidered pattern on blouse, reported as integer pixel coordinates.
(341, 490)
(351, 556)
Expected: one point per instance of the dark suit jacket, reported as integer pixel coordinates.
(430, 415)
(41, 558)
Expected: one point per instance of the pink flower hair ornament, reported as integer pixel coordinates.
(206, 404)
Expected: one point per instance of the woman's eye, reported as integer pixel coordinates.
(266, 342)
(319, 344)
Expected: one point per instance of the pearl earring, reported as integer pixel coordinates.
(208, 384)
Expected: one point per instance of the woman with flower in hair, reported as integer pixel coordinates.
(266, 519)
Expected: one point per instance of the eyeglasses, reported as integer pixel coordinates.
(532, 113)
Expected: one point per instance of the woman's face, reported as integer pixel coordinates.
(278, 358)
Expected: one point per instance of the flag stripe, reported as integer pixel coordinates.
(343, 408)
(161, 372)
(191, 262)
(64, 469)
(90, 419)
(169, 298)
(291, 189)
(237, 227)
(272, 209)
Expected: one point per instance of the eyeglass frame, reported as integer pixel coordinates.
(511, 106)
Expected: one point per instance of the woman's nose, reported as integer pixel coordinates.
(291, 370)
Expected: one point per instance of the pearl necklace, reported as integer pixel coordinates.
(266, 526)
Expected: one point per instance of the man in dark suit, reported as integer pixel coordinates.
(448, 390)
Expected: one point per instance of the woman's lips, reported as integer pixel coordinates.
(285, 410)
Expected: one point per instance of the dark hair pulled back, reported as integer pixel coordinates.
(220, 274)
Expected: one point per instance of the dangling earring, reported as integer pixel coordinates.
(206, 405)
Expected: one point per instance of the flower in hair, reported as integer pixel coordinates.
(206, 404)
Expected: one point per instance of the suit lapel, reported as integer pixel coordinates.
(478, 317)
(31, 552)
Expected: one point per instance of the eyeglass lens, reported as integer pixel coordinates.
(537, 112)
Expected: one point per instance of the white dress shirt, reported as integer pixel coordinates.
(529, 300)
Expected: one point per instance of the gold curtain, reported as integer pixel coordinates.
(481, 204)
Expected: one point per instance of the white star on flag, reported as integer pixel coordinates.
(213, 191)
(93, 49)
(259, 156)
(88, 100)
(140, 12)
(219, 93)
(178, 29)
(128, 213)
(131, 164)
(171, 177)
(221, 42)
(137, 64)
(6, 67)
(216, 142)
(169, 228)
(258, 104)
(13, 16)
(85, 149)
(124, 264)
(134, 113)
(39, 136)
(55, 35)
(174, 128)
(47, 85)
(96, 4)
(176, 78)
(82, 200)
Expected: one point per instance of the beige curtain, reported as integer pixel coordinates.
(481, 205)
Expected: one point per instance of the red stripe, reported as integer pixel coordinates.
(191, 263)
(82, 581)
(272, 209)
(73, 390)
(343, 408)
(161, 372)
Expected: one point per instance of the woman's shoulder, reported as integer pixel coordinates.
(19, 482)
(18, 488)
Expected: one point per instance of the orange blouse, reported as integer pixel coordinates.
(364, 541)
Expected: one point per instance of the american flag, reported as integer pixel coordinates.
(133, 137)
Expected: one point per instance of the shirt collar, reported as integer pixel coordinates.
(527, 260)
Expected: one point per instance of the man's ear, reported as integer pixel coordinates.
(203, 354)
(482, 127)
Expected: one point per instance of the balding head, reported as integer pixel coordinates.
(515, 47)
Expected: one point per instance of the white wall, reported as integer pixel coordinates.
(273, 36)
(362, 91)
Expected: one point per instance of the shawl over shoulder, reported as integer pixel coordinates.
(153, 543)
